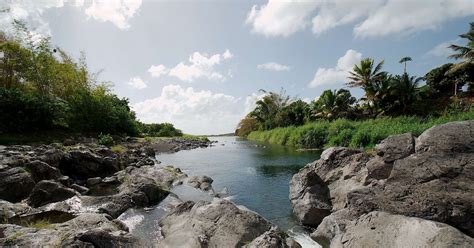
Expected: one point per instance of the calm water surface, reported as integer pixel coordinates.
(255, 175)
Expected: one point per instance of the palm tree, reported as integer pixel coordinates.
(404, 60)
(366, 76)
(466, 53)
(333, 104)
(405, 88)
(267, 107)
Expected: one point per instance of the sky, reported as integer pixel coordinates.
(200, 64)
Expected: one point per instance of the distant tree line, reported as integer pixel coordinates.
(42, 88)
(449, 87)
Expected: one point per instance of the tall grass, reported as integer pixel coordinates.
(349, 133)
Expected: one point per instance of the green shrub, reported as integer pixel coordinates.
(105, 139)
(313, 138)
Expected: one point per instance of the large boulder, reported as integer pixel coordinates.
(217, 224)
(322, 186)
(49, 191)
(200, 182)
(453, 137)
(396, 147)
(42, 171)
(380, 229)
(15, 184)
(83, 164)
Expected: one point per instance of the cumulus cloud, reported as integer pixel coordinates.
(280, 18)
(137, 83)
(200, 66)
(194, 111)
(116, 11)
(369, 17)
(157, 70)
(272, 66)
(337, 74)
(443, 50)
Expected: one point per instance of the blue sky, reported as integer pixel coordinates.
(200, 64)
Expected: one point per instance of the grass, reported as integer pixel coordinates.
(41, 224)
(184, 137)
(119, 149)
(358, 134)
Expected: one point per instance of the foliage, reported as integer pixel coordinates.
(246, 125)
(119, 149)
(42, 88)
(105, 139)
(344, 132)
(159, 130)
(465, 53)
(268, 107)
(333, 104)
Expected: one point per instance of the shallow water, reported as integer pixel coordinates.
(256, 176)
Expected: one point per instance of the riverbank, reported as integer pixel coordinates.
(74, 194)
(409, 192)
(355, 134)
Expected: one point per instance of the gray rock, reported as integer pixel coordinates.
(274, 238)
(447, 138)
(49, 191)
(93, 181)
(323, 185)
(217, 224)
(81, 189)
(42, 171)
(84, 164)
(380, 229)
(200, 182)
(396, 147)
(378, 169)
(15, 184)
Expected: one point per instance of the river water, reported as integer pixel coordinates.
(254, 175)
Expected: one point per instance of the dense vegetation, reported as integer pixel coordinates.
(43, 89)
(391, 104)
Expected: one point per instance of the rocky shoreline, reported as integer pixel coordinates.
(409, 192)
(72, 195)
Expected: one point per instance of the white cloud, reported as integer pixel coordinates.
(157, 70)
(194, 111)
(406, 16)
(280, 18)
(272, 66)
(443, 50)
(137, 83)
(370, 17)
(339, 73)
(116, 11)
(200, 66)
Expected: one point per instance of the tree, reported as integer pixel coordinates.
(333, 104)
(405, 60)
(246, 126)
(404, 88)
(295, 114)
(465, 53)
(269, 106)
(365, 75)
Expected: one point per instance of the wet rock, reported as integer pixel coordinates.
(200, 182)
(217, 224)
(15, 184)
(42, 171)
(49, 191)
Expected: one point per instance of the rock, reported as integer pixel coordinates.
(309, 197)
(452, 137)
(274, 238)
(15, 184)
(322, 187)
(380, 229)
(217, 224)
(81, 189)
(49, 191)
(52, 156)
(396, 147)
(200, 182)
(86, 230)
(93, 181)
(83, 164)
(8, 209)
(378, 169)
(42, 171)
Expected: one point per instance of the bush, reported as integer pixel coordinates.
(313, 138)
(105, 139)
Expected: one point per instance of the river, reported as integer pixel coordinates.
(254, 175)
